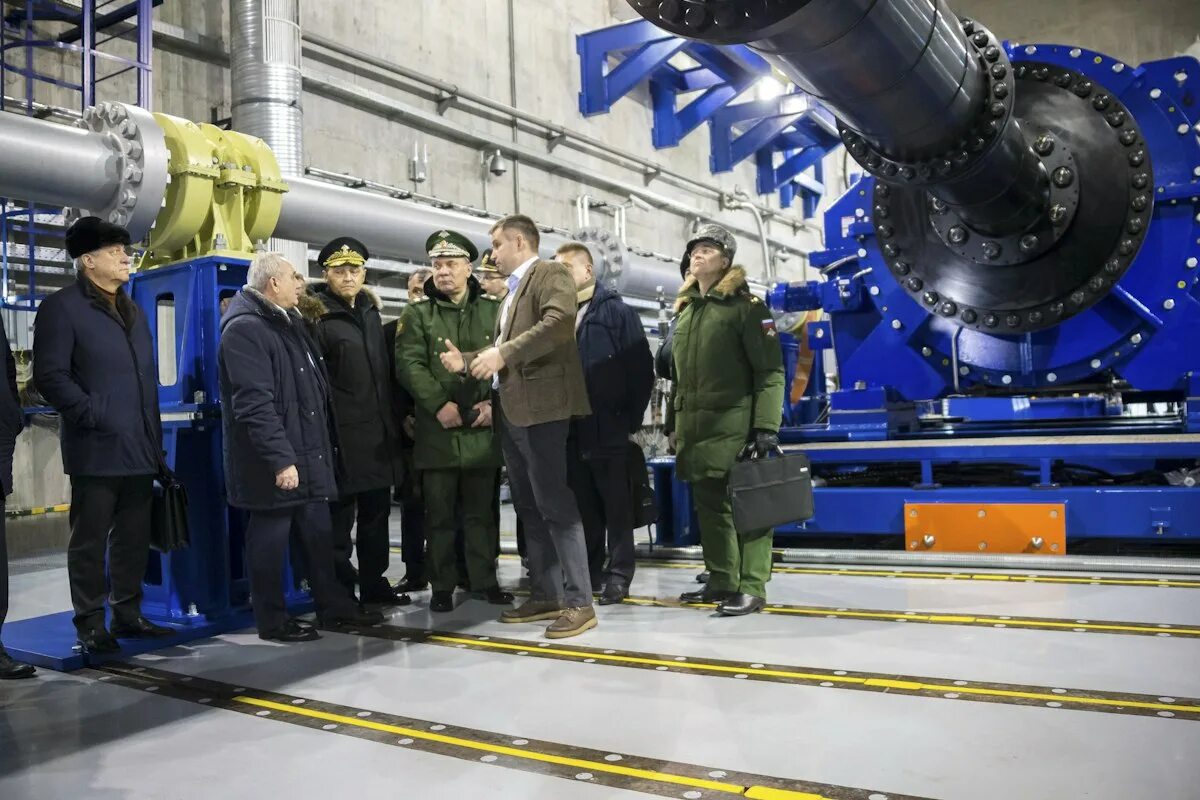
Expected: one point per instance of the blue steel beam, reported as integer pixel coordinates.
(595, 48)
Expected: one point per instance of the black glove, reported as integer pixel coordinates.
(760, 445)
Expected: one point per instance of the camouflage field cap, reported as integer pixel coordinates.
(712, 234)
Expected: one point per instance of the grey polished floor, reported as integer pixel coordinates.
(72, 736)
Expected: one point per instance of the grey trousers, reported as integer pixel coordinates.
(536, 458)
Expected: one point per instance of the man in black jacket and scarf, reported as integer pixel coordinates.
(280, 448)
(93, 361)
(619, 372)
(11, 421)
(349, 334)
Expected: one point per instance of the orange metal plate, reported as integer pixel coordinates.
(1035, 528)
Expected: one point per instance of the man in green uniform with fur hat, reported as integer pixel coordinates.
(456, 451)
(727, 404)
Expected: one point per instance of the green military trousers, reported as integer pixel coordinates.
(736, 563)
(446, 492)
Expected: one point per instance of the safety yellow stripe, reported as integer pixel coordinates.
(871, 681)
(759, 792)
(945, 619)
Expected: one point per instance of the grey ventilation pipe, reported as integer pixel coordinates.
(267, 88)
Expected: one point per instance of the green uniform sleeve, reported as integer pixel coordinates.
(413, 369)
(761, 344)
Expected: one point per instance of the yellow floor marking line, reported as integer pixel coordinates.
(613, 769)
(942, 688)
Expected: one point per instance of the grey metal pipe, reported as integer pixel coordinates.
(268, 86)
(888, 558)
(54, 164)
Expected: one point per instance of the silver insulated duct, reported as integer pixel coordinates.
(266, 88)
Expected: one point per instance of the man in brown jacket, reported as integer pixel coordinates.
(535, 367)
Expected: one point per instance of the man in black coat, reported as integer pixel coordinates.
(11, 421)
(93, 361)
(349, 334)
(279, 443)
(619, 372)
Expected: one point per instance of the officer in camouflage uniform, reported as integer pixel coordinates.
(457, 452)
(726, 406)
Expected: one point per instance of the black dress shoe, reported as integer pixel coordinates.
(14, 670)
(497, 596)
(705, 595)
(612, 595)
(414, 583)
(98, 643)
(702, 577)
(740, 604)
(441, 601)
(140, 628)
(292, 631)
(360, 618)
(385, 596)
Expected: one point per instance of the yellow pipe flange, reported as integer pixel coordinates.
(264, 202)
(188, 200)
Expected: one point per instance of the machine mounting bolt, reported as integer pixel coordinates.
(1136, 338)
(948, 309)
(1044, 145)
(1141, 180)
(1041, 73)
(976, 144)
(1112, 266)
(914, 284)
(890, 250)
(1096, 283)
(1168, 304)
(1126, 247)
(968, 26)
(1137, 158)
(991, 249)
(1077, 297)
(961, 157)
(999, 71)
(897, 324)
(1063, 177)
(931, 298)
(907, 173)
(1029, 242)
(1083, 88)
(997, 109)
(1058, 213)
(1128, 137)
(1000, 90)
(969, 316)
(991, 321)
(1139, 203)
(1005, 379)
(1035, 317)
(1063, 80)
(902, 267)
(1012, 320)
(1051, 377)
(1096, 363)
(938, 206)
(1115, 119)
(882, 211)
(883, 190)
(1057, 309)
(886, 231)
(992, 53)
(925, 351)
(980, 39)
(890, 170)
(696, 17)
(874, 161)
(1101, 102)
(1192, 262)
(1135, 225)
(668, 10)
(957, 234)
(928, 540)
(1037, 542)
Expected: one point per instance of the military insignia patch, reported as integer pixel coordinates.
(768, 326)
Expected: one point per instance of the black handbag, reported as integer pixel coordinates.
(645, 509)
(771, 491)
(169, 514)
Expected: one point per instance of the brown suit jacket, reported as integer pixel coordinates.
(542, 380)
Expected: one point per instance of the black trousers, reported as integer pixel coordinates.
(372, 509)
(3, 570)
(109, 515)
(412, 536)
(602, 492)
(267, 536)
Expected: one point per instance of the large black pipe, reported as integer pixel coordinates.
(924, 99)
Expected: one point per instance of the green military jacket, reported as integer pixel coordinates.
(420, 336)
(728, 374)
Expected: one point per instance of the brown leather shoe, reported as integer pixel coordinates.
(532, 611)
(572, 622)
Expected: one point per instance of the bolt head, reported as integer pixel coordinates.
(1044, 145)
(1063, 177)
(957, 234)
(991, 249)
(1029, 243)
(969, 316)
(1058, 213)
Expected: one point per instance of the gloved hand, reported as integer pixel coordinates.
(760, 444)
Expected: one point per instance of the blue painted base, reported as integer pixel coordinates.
(50, 641)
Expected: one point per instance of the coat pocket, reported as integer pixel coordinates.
(545, 387)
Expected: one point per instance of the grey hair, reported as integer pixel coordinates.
(266, 266)
(424, 273)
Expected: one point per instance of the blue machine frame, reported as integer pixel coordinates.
(909, 369)
(203, 590)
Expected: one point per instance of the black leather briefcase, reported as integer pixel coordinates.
(772, 491)
(169, 515)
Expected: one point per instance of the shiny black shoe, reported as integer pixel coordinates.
(702, 577)
(140, 628)
(415, 583)
(442, 601)
(11, 670)
(613, 595)
(705, 595)
(361, 618)
(497, 596)
(740, 604)
(98, 643)
(385, 597)
(292, 631)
